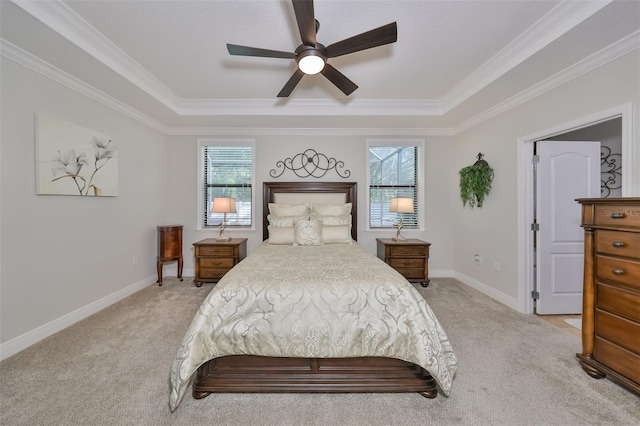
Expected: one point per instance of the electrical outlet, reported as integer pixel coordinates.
(496, 266)
(477, 259)
(135, 261)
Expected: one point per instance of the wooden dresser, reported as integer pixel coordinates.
(169, 248)
(611, 298)
(215, 258)
(410, 257)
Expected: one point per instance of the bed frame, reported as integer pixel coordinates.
(248, 373)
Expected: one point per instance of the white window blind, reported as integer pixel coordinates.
(393, 172)
(228, 172)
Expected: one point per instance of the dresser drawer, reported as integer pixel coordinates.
(216, 251)
(407, 250)
(617, 215)
(621, 271)
(407, 262)
(216, 262)
(618, 243)
(212, 273)
(620, 360)
(618, 301)
(622, 332)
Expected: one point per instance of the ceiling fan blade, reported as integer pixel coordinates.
(377, 37)
(291, 84)
(234, 49)
(338, 79)
(306, 21)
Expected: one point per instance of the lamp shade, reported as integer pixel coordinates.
(401, 205)
(223, 205)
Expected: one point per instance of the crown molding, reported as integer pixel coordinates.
(620, 48)
(554, 24)
(280, 131)
(32, 62)
(320, 107)
(62, 19)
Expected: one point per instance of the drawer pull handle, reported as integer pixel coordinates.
(618, 244)
(617, 215)
(618, 271)
(406, 262)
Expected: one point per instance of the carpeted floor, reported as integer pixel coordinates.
(113, 369)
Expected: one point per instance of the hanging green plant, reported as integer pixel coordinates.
(475, 183)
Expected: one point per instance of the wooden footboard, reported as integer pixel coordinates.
(244, 373)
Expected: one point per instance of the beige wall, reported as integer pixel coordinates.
(60, 254)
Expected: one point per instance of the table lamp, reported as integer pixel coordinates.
(223, 205)
(400, 205)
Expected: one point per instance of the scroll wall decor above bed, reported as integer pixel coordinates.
(310, 163)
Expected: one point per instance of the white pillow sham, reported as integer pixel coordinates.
(333, 220)
(289, 209)
(308, 233)
(280, 221)
(336, 234)
(330, 209)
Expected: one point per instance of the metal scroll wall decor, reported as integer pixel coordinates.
(310, 163)
(610, 171)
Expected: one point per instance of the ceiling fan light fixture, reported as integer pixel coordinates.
(310, 62)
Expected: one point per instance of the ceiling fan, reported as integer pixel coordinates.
(312, 56)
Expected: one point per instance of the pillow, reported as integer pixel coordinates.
(280, 221)
(288, 209)
(336, 234)
(330, 209)
(308, 233)
(333, 220)
(281, 234)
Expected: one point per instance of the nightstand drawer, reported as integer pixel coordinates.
(216, 251)
(412, 273)
(217, 262)
(211, 273)
(414, 250)
(407, 262)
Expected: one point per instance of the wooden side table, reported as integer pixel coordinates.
(215, 258)
(410, 257)
(169, 248)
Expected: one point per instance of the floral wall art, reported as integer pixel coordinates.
(73, 160)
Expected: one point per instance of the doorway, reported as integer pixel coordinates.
(616, 121)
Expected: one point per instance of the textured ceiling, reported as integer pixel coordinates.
(167, 62)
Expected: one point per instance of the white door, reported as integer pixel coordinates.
(566, 171)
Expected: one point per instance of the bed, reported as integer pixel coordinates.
(307, 317)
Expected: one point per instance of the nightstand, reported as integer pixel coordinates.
(215, 258)
(410, 257)
(169, 248)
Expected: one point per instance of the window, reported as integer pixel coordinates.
(393, 172)
(227, 171)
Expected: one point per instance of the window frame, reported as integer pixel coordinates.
(395, 142)
(222, 142)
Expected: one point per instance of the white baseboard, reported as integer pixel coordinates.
(489, 291)
(29, 338)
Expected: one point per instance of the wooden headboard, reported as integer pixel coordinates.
(350, 189)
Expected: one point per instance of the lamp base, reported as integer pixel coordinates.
(223, 238)
(399, 238)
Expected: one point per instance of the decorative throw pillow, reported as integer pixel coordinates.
(336, 234)
(330, 209)
(281, 234)
(308, 233)
(288, 209)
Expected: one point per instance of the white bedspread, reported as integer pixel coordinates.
(315, 302)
